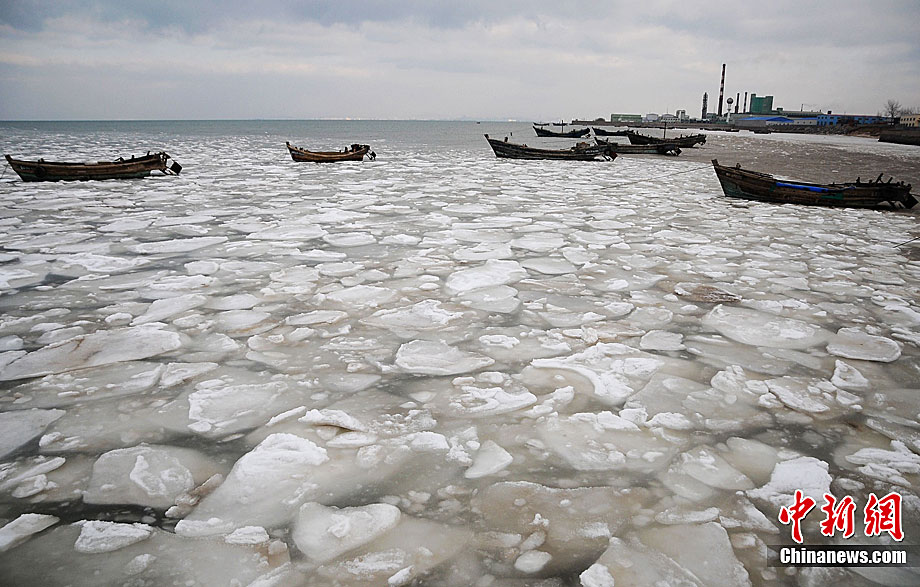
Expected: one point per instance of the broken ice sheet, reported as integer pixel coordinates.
(407, 321)
(397, 557)
(606, 442)
(299, 471)
(613, 371)
(572, 525)
(99, 348)
(673, 555)
(425, 357)
(853, 343)
(19, 428)
(760, 329)
(91, 384)
(483, 395)
(110, 553)
(324, 533)
(149, 475)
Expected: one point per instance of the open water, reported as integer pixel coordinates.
(441, 368)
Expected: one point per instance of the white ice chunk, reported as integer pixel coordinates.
(154, 476)
(20, 427)
(160, 310)
(182, 245)
(662, 340)
(362, 296)
(99, 348)
(853, 343)
(847, 376)
(350, 239)
(760, 329)
(289, 233)
(610, 368)
(492, 273)
(22, 528)
(889, 466)
(252, 535)
(532, 561)
(98, 537)
(423, 316)
(325, 533)
(282, 462)
(489, 459)
(436, 358)
(806, 473)
(177, 373)
(548, 265)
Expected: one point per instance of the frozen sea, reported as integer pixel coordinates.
(440, 368)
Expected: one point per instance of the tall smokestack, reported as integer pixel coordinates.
(721, 90)
(705, 104)
(745, 103)
(737, 101)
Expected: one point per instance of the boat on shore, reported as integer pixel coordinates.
(600, 132)
(355, 152)
(120, 168)
(762, 187)
(579, 152)
(653, 149)
(682, 141)
(571, 134)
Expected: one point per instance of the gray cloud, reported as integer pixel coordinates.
(419, 59)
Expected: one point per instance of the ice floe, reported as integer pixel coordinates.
(99, 348)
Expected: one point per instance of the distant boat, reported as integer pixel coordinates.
(120, 168)
(752, 185)
(580, 152)
(355, 152)
(571, 134)
(682, 141)
(654, 149)
(599, 132)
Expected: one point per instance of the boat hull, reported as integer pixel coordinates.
(600, 132)
(305, 156)
(132, 168)
(683, 141)
(572, 134)
(506, 150)
(655, 149)
(761, 187)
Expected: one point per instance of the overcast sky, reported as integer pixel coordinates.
(482, 59)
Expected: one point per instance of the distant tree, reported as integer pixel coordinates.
(892, 109)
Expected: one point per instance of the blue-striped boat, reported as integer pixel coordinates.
(752, 185)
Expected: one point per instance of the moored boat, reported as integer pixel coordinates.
(355, 152)
(682, 141)
(579, 152)
(753, 185)
(571, 134)
(654, 149)
(120, 168)
(600, 132)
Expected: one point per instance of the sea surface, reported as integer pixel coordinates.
(441, 368)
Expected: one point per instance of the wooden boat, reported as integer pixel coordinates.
(580, 152)
(752, 185)
(355, 152)
(120, 168)
(600, 132)
(571, 134)
(655, 149)
(682, 141)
